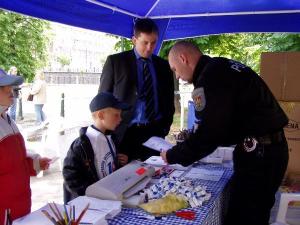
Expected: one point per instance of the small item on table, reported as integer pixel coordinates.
(65, 218)
(168, 204)
(189, 215)
(194, 194)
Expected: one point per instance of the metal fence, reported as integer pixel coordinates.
(72, 78)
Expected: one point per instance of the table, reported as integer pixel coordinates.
(210, 213)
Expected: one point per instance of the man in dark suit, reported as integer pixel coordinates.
(144, 81)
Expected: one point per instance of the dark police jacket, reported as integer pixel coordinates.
(231, 102)
(79, 169)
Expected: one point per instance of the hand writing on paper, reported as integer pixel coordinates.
(44, 163)
(163, 155)
(123, 159)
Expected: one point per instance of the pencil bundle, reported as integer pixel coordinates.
(7, 219)
(64, 218)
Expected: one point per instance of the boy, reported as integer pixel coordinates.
(92, 156)
(16, 166)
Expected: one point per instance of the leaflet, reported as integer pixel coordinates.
(158, 144)
(204, 174)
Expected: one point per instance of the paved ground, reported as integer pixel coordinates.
(50, 141)
(47, 186)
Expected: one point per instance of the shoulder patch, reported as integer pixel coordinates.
(199, 99)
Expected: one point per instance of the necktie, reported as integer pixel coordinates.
(147, 91)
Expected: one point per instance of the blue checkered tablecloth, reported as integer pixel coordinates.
(210, 213)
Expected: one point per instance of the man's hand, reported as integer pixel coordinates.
(163, 155)
(123, 159)
(44, 163)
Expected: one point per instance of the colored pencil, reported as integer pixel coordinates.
(82, 213)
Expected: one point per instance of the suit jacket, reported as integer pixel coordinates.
(119, 76)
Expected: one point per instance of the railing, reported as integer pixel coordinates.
(72, 78)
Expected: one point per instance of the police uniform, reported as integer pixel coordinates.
(233, 106)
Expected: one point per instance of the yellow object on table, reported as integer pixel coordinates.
(168, 204)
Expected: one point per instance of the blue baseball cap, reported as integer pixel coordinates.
(107, 100)
(9, 80)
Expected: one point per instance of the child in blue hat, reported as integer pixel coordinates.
(92, 155)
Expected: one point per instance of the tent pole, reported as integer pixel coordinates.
(163, 27)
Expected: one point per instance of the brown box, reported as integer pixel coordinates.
(292, 133)
(281, 72)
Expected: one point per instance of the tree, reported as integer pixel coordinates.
(63, 61)
(23, 43)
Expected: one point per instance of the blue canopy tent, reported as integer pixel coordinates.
(176, 18)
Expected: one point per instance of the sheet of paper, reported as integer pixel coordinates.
(37, 217)
(177, 173)
(158, 144)
(98, 208)
(158, 161)
(204, 174)
(155, 161)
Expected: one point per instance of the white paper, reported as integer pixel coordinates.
(158, 144)
(98, 212)
(204, 174)
(37, 217)
(158, 161)
(98, 209)
(177, 173)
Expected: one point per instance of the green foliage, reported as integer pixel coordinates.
(123, 44)
(22, 43)
(245, 48)
(63, 60)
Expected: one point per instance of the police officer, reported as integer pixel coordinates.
(233, 106)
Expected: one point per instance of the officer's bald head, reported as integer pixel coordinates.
(183, 58)
(184, 47)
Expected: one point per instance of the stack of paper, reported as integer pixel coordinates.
(159, 162)
(204, 174)
(98, 211)
(37, 217)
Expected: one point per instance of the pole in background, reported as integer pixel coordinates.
(62, 111)
(20, 112)
(62, 105)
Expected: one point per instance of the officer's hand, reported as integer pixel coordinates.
(123, 159)
(163, 154)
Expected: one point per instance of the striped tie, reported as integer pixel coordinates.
(148, 92)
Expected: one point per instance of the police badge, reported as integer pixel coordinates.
(199, 99)
(250, 144)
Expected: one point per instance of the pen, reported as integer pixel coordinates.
(49, 217)
(74, 216)
(70, 213)
(151, 217)
(54, 212)
(66, 213)
(58, 212)
(82, 213)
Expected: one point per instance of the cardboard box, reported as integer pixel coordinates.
(292, 133)
(281, 72)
